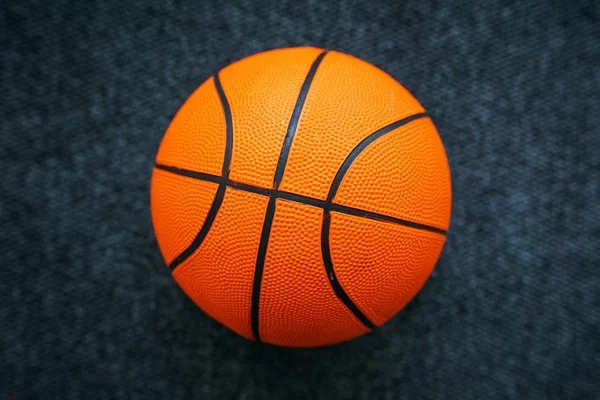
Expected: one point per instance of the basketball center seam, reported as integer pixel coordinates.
(298, 198)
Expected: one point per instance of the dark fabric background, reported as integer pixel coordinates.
(88, 308)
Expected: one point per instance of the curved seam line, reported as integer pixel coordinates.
(279, 170)
(339, 176)
(325, 230)
(218, 200)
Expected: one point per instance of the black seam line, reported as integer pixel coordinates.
(363, 145)
(258, 270)
(218, 200)
(325, 248)
(384, 218)
(335, 285)
(210, 217)
(298, 198)
(283, 156)
(202, 176)
(191, 174)
(228, 126)
(291, 130)
(249, 188)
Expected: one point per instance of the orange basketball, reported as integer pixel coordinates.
(301, 197)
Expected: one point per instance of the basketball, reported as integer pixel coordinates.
(301, 197)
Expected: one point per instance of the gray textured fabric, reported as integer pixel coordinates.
(88, 309)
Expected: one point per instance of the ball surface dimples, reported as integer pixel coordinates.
(301, 197)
